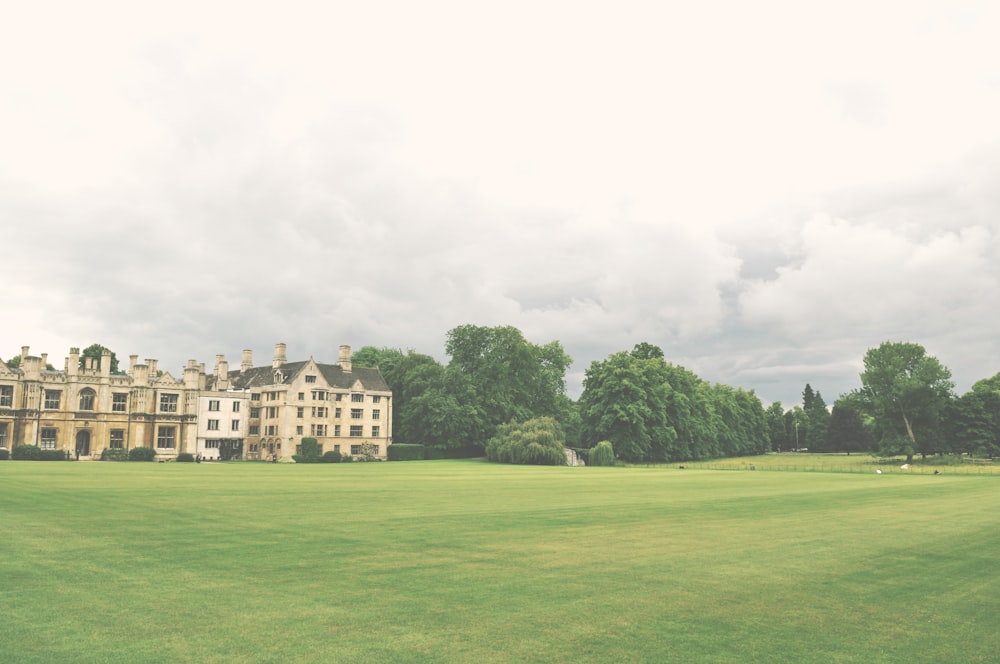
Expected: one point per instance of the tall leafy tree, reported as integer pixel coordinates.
(510, 378)
(818, 418)
(847, 431)
(906, 391)
(774, 417)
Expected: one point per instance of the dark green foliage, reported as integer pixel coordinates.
(602, 454)
(114, 454)
(35, 453)
(905, 391)
(405, 452)
(972, 422)
(142, 454)
(847, 431)
(310, 451)
(4, 454)
(332, 456)
(95, 351)
(539, 441)
(185, 457)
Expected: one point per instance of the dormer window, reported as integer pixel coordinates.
(310, 379)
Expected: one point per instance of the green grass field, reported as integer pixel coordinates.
(464, 561)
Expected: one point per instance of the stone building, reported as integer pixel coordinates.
(250, 413)
(345, 408)
(84, 409)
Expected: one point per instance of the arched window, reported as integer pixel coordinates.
(87, 399)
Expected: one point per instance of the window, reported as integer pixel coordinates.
(3, 434)
(87, 399)
(49, 438)
(336, 448)
(375, 431)
(166, 437)
(6, 396)
(357, 398)
(336, 430)
(255, 413)
(212, 444)
(298, 430)
(357, 413)
(355, 449)
(117, 439)
(254, 430)
(300, 412)
(213, 425)
(234, 425)
(376, 413)
(52, 399)
(213, 404)
(356, 431)
(317, 430)
(236, 406)
(271, 430)
(337, 397)
(119, 402)
(255, 396)
(302, 396)
(320, 411)
(376, 398)
(168, 404)
(272, 411)
(273, 396)
(310, 379)
(336, 412)
(319, 395)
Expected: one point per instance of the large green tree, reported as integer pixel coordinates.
(847, 431)
(906, 391)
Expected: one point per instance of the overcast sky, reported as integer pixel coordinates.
(763, 189)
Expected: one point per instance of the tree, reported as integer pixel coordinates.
(602, 454)
(538, 441)
(95, 352)
(624, 401)
(510, 378)
(817, 419)
(774, 418)
(847, 431)
(972, 422)
(906, 391)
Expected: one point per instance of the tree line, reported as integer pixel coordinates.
(651, 410)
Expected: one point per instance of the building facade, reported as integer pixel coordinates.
(345, 408)
(84, 409)
(250, 413)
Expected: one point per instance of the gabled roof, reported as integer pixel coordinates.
(333, 374)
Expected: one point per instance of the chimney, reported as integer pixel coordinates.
(152, 367)
(344, 359)
(45, 360)
(132, 361)
(24, 352)
(105, 362)
(247, 362)
(279, 355)
(73, 363)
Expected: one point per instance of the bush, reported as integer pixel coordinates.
(35, 453)
(331, 456)
(142, 454)
(405, 452)
(185, 457)
(114, 454)
(4, 454)
(603, 454)
(539, 442)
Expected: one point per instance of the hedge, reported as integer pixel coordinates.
(142, 454)
(185, 457)
(114, 454)
(4, 454)
(405, 452)
(35, 453)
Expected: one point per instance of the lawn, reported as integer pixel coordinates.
(464, 561)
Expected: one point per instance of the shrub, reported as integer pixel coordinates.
(4, 454)
(114, 454)
(331, 456)
(538, 441)
(603, 454)
(405, 452)
(185, 457)
(27, 453)
(142, 454)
